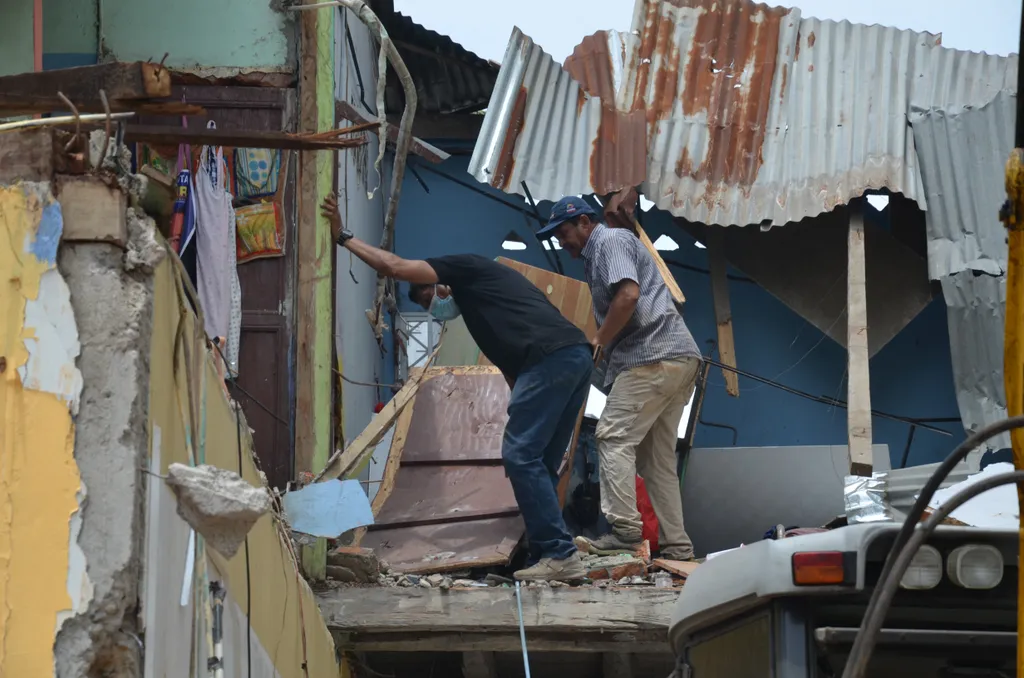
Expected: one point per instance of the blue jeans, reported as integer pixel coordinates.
(542, 412)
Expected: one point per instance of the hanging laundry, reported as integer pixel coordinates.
(260, 232)
(183, 220)
(217, 272)
(256, 172)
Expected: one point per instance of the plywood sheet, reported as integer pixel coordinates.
(436, 493)
(449, 505)
(451, 546)
(458, 417)
(570, 296)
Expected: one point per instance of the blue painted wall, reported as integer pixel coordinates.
(910, 377)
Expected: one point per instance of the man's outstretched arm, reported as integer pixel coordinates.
(384, 262)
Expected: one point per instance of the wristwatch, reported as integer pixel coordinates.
(345, 236)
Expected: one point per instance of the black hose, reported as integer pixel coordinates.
(864, 645)
(915, 514)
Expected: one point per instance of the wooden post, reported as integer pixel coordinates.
(858, 413)
(723, 312)
(313, 321)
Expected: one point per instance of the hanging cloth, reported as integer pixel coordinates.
(216, 271)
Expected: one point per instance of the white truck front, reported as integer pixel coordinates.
(791, 608)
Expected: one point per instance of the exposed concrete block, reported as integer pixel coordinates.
(615, 567)
(218, 504)
(362, 563)
(113, 311)
(93, 211)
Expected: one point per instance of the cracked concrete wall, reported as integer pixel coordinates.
(112, 296)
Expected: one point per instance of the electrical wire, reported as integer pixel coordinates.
(864, 645)
(913, 518)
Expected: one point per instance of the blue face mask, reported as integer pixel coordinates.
(443, 309)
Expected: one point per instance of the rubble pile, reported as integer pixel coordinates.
(354, 566)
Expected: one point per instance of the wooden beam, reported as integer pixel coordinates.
(666, 274)
(234, 138)
(476, 664)
(567, 617)
(314, 322)
(125, 84)
(345, 111)
(858, 413)
(719, 268)
(636, 642)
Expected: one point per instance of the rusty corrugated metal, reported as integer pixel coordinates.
(753, 114)
(449, 505)
(542, 127)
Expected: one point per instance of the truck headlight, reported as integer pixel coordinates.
(975, 566)
(925, 571)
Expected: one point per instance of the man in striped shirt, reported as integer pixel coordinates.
(652, 367)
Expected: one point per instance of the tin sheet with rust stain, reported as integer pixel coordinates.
(752, 113)
(451, 506)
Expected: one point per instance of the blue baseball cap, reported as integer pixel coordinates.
(568, 208)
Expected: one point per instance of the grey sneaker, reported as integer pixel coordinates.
(549, 569)
(681, 556)
(608, 545)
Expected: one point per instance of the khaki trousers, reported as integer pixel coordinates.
(637, 434)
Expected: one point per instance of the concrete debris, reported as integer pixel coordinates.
(218, 504)
(614, 567)
(361, 564)
(435, 579)
(144, 251)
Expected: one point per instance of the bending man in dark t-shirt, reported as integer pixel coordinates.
(545, 359)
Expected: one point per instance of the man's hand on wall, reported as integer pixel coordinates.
(329, 209)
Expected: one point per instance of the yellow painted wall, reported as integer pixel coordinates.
(38, 475)
(283, 604)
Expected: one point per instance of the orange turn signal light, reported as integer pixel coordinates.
(819, 568)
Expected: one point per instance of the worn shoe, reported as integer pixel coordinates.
(683, 557)
(549, 569)
(610, 544)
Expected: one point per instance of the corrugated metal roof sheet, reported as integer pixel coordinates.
(449, 78)
(541, 127)
(963, 157)
(752, 112)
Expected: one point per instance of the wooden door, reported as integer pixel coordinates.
(266, 364)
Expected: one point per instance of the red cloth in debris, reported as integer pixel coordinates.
(650, 520)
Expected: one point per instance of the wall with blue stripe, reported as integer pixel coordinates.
(910, 377)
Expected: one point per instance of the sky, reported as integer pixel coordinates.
(559, 25)
(484, 27)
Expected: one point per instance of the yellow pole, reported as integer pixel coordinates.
(1013, 353)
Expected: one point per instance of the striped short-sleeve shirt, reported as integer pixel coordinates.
(656, 332)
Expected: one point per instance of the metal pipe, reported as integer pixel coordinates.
(60, 120)
(522, 631)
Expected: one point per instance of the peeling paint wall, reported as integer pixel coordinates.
(287, 630)
(43, 573)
